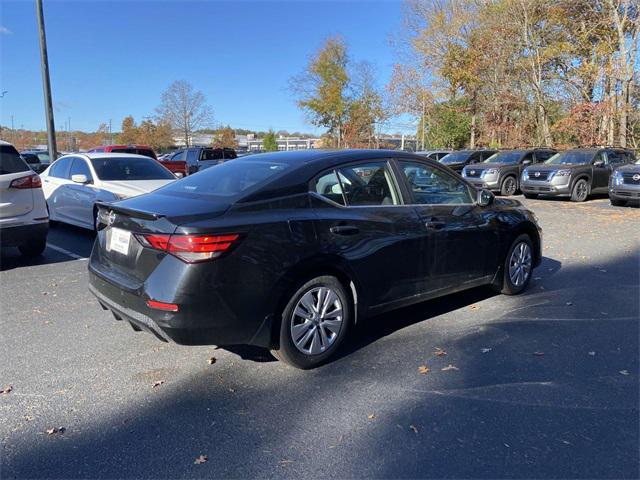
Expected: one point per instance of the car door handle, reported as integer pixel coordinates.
(344, 230)
(434, 224)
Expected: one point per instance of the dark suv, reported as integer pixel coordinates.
(199, 158)
(624, 185)
(575, 173)
(456, 161)
(501, 172)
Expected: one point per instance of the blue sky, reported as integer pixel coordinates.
(109, 59)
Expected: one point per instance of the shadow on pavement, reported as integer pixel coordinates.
(536, 391)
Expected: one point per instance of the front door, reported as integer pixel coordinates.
(460, 245)
(600, 174)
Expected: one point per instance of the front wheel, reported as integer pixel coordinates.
(518, 266)
(580, 191)
(508, 187)
(314, 323)
(33, 248)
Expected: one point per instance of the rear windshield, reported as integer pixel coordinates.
(138, 151)
(10, 161)
(230, 179)
(126, 168)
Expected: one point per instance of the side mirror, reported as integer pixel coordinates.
(598, 163)
(178, 174)
(485, 198)
(527, 161)
(79, 178)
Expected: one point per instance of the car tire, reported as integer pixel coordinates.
(508, 187)
(301, 318)
(580, 191)
(520, 254)
(33, 248)
(617, 203)
(530, 196)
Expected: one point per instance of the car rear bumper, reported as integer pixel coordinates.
(17, 235)
(201, 321)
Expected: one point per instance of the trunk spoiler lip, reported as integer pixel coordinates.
(130, 212)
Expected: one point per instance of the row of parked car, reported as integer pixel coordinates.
(545, 172)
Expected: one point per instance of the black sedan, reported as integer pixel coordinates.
(289, 250)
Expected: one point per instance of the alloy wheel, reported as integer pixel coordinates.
(316, 320)
(520, 264)
(510, 186)
(581, 190)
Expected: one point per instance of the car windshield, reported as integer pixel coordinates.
(504, 157)
(10, 161)
(570, 158)
(130, 168)
(456, 157)
(229, 179)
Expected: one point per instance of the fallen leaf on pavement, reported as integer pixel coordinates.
(485, 350)
(55, 431)
(6, 389)
(211, 360)
(413, 429)
(423, 369)
(439, 352)
(371, 416)
(473, 307)
(623, 372)
(201, 459)
(538, 354)
(157, 383)
(449, 367)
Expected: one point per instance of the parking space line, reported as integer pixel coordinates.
(65, 252)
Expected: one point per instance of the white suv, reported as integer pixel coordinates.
(24, 220)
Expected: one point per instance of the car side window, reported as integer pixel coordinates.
(475, 158)
(329, 187)
(368, 184)
(601, 156)
(192, 156)
(30, 158)
(60, 168)
(615, 158)
(180, 155)
(80, 167)
(528, 156)
(431, 185)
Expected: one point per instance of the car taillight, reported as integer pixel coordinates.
(31, 181)
(189, 248)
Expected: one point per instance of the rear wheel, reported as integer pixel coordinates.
(518, 265)
(580, 191)
(33, 248)
(531, 196)
(617, 203)
(314, 323)
(509, 186)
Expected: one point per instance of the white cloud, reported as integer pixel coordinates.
(5, 31)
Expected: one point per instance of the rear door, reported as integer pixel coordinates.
(459, 243)
(361, 218)
(14, 202)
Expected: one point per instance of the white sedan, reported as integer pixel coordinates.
(74, 183)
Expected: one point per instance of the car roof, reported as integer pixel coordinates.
(99, 155)
(2, 142)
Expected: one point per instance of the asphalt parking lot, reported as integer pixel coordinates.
(544, 384)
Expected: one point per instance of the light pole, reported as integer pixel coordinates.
(46, 84)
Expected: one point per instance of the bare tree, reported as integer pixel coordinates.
(184, 109)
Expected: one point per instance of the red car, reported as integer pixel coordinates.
(177, 168)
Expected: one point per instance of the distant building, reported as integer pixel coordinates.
(284, 144)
